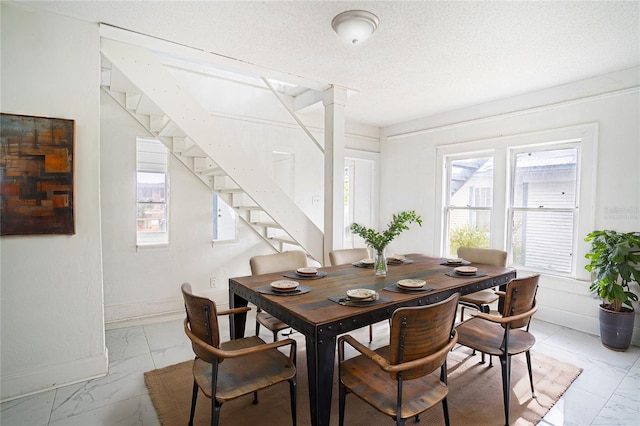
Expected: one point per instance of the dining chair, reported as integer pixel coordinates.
(481, 300)
(350, 255)
(269, 263)
(396, 379)
(507, 334)
(249, 364)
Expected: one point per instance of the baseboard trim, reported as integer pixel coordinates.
(132, 314)
(49, 377)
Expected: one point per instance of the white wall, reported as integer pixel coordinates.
(52, 302)
(409, 156)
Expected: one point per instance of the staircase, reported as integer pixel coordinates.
(139, 82)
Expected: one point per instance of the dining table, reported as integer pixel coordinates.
(320, 310)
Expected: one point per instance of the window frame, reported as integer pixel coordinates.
(153, 164)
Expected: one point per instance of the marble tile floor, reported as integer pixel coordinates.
(606, 393)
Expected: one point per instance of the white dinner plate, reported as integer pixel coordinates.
(307, 271)
(361, 293)
(367, 261)
(411, 283)
(466, 270)
(284, 285)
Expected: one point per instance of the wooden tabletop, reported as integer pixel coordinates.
(317, 309)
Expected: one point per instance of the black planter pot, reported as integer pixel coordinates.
(616, 328)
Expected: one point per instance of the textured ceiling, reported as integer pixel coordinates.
(425, 58)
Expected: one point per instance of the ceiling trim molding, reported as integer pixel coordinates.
(517, 113)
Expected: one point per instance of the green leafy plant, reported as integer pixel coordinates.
(399, 222)
(614, 258)
(468, 236)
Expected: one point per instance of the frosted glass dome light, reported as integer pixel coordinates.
(355, 26)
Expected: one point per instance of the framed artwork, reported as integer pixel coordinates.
(36, 175)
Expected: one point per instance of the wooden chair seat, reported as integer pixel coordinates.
(243, 375)
(486, 337)
(482, 297)
(374, 386)
(271, 323)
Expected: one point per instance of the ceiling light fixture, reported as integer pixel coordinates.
(355, 26)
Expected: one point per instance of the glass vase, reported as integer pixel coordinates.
(380, 263)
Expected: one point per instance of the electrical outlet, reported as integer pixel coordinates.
(212, 282)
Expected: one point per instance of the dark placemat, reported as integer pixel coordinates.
(297, 276)
(343, 300)
(404, 262)
(266, 289)
(397, 289)
(457, 275)
(463, 263)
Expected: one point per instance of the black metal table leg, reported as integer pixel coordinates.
(237, 322)
(320, 362)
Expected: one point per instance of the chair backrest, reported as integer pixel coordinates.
(277, 262)
(520, 297)
(483, 255)
(344, 256)
(419, 331)
(203, 322)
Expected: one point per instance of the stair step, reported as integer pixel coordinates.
(252, 208)
(171, 130)
(229, 190)
(193, 151)
(215, 171)
(267, 224)
(284, 240)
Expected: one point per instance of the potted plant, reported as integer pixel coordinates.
(379, 241)
(614, 258)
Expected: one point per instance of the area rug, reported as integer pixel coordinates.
(475, 396)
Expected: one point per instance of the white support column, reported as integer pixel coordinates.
(334, 101)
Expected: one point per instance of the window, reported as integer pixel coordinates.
(469, 202)
(152, 192)
(522, 196)
(543, 208)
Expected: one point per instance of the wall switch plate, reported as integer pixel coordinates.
(212, 282)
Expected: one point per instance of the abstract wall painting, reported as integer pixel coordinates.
(36, 175)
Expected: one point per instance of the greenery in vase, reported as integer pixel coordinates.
(614, 258)
(398, 223)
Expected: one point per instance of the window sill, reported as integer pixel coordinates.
(216, 242)
(152, 247)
